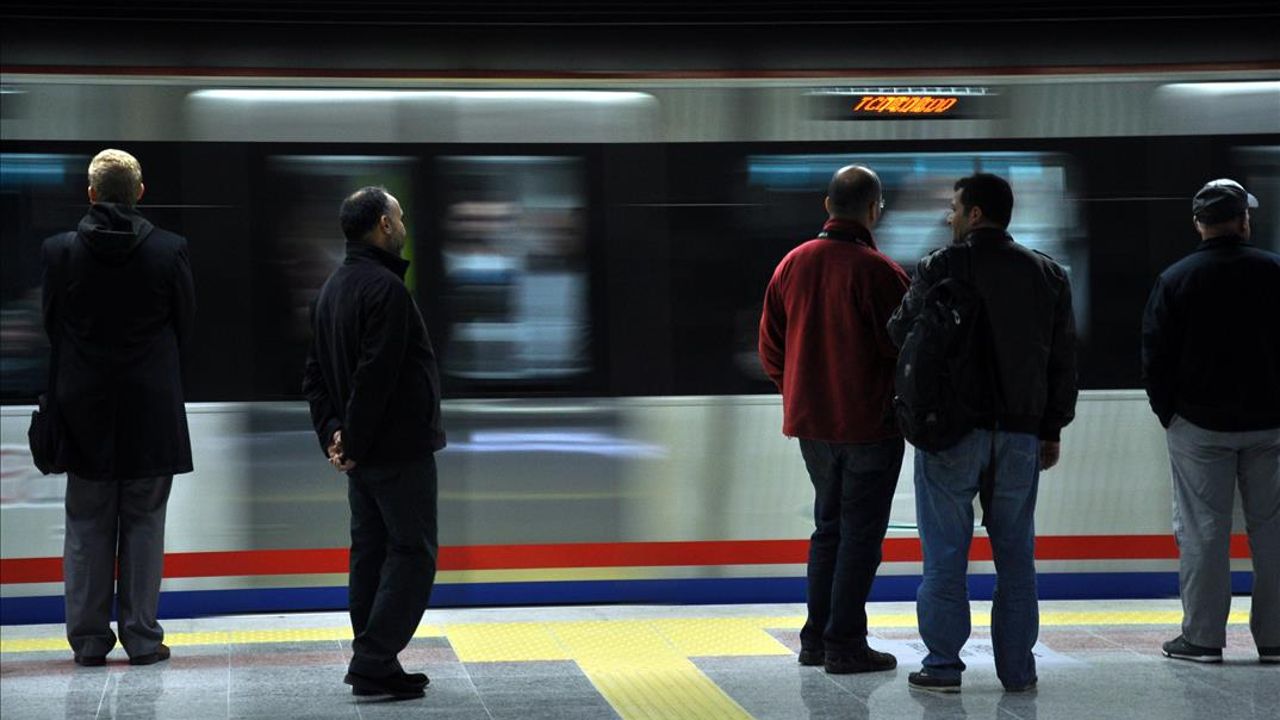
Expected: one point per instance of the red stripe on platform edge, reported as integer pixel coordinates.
(581, 555)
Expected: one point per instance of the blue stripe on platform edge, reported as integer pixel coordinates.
(700, 591)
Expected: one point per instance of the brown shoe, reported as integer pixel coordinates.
(161, 653)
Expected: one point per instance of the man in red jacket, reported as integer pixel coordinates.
(823, 342)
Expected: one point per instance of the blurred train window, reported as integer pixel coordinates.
(515, 268)
(40, 194)
(302, 243)
(918, 190)
(1261, 176)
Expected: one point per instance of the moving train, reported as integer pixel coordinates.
(590, 254)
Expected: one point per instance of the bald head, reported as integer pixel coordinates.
(854, 194)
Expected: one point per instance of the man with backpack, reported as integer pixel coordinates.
(823, 342)
(1001, 397)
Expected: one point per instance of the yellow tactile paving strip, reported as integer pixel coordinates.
(642, 667)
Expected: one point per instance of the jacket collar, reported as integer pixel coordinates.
(1221, 241)
(984, 235)
(361, 252)
(848, 231)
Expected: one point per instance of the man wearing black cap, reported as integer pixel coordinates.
(1211, 366)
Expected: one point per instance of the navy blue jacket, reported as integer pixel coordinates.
(1210, 339)
(371, 371)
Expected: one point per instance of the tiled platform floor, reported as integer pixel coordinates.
(1097, 660)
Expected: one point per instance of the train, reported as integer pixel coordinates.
(590, 254)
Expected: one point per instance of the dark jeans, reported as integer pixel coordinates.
(393, 560)
(853, 490)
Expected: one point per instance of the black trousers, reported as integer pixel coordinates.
(853, 491)
(393, 560)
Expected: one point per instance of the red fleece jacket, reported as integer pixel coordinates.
(823, 338)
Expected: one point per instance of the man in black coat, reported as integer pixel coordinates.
(1211, 367)
(118, 308)
(374, 390)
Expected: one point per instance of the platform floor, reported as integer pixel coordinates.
(1096, 660)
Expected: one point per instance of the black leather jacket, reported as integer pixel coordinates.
(1028, 301)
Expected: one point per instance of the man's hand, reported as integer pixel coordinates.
(1049, 451)
(336, 457)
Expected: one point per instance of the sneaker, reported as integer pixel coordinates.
(932, 683)
(1022, 688)
(862, 662)
(1182, 650)
(1269, 654)
(161, 653)
(812, 658)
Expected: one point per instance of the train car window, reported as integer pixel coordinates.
(782, 207)
(302, 242)
(1261, 175)
(40, 194)
(515, 270)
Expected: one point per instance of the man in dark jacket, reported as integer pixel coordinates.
(118, 309)
(1028, 305)
(823, 343)
(1211, 366)
(374, 390)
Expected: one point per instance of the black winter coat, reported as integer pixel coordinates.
(371, 371)
(1210, 339)
(118, 308)
(1028, 303)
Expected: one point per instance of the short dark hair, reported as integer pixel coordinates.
(361, 211)
(989, 192)
(852, 192)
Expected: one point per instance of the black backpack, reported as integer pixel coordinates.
(945, 380)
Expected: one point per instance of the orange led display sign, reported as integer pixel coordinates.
(904, 105)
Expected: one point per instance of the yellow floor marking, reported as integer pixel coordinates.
(505, 642)
(642, 673)
(691, 637)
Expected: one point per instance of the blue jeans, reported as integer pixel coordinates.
(853, 491)
(946, 484)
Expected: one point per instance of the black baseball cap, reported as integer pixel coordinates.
(1220, 200)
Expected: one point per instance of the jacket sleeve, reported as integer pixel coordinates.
(773, 332)
(1060, 409)
(1160, 343)
(183, 300)
(886, 298)
(317, 394)
(383, 343)
(913, 301)
(48, 293)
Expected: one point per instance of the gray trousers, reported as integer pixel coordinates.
(1207, 466)
(110, 521)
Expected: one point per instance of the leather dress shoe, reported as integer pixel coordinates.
(866, 661)
(161, 653)
(91, 660)
(811, 658)
(400, 685)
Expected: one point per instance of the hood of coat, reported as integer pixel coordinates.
(112, 231)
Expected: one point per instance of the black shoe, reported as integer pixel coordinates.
(419, 679)
(812, 658)
(97, 660)
(400, 685)
(1182, 650)
(1269, 654)
(161, 653)
(866, 661)
(922, 680)
(1022, 688)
